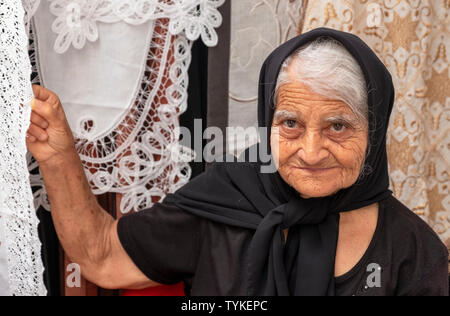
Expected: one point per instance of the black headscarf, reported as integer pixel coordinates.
(238, 194)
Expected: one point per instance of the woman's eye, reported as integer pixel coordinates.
(290, 123)
(338, 127)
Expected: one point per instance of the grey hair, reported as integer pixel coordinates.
(327, 68)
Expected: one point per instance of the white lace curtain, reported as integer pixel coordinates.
(21, 268)
(120, 68)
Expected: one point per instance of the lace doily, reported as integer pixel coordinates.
(139, 154)
(18, 232)
(77, 20)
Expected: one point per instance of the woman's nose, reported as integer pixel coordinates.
(311, 150)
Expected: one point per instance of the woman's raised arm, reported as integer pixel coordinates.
(87, 233)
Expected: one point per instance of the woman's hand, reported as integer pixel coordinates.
(49, 138)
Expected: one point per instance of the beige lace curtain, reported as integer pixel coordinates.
(412, 38)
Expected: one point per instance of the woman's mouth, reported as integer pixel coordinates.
(315, 170)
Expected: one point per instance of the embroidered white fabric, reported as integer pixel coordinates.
(77, 20)
(126, 130)
(30, 7)
(22, 270)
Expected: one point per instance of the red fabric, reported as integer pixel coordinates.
(163, 290)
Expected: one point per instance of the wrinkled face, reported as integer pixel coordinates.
(318, 143)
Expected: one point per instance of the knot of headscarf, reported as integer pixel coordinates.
(239, 194)
(318, 226)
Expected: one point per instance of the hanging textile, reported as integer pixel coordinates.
(412, 38)
(121, 71)
(257, 28)
(21, 267)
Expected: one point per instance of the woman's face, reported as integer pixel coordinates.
(318, 143)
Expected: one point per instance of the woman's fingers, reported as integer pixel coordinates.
(49, 134)
(37, 132)
(42, 93)
(37, 128)
(47, 111)
(38, 120)
(31, 138)
(48, 106)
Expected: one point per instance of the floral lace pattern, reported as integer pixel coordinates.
(142, 158)
(17, 215)
(76, 20)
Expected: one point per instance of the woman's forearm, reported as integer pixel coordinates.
(80, 222)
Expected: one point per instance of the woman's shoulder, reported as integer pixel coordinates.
(412, 252)
(408, 229)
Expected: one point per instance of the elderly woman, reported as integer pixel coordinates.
(324, 223)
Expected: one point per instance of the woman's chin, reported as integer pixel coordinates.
(313, 186)
(320, 192)
(313, 196)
